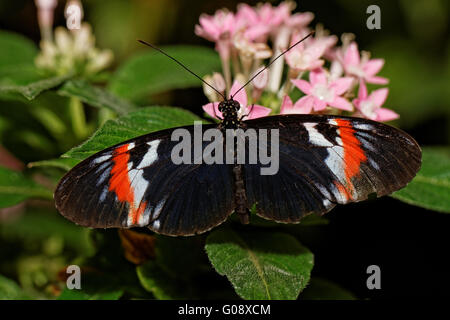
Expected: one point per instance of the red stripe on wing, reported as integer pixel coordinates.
(354, 155)
(120, 183)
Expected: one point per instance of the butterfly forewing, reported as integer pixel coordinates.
(136, 183)
(326, 160)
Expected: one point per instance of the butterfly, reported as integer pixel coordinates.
(322, 161)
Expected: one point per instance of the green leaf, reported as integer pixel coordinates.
(15, 188)
(61, 163)
(33, 89)
(10, 290)
(430, 188)
(132, 125)
(95, 96)
(261, 265)
(75, 294)
(158, 282)
(151, 72)
(51, 224)
(321, 289)
(16, 50)
(180, 257)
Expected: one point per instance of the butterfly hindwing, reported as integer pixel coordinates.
(326, 160)
(136, 183)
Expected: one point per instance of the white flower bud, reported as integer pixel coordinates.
(218, 82)
(100, 60)
(207, 90)
(63, 40)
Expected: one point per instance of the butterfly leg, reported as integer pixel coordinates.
(246, 115)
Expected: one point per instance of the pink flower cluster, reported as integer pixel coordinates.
(328, 76)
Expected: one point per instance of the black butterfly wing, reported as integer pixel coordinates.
(328, 160)
(136, 183)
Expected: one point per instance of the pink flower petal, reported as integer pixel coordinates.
(229, 22)
(257, 111)
(384, 114)
(209, 27)
(286, 105)
(373, 66)
(341, 103)
(379, 96)
(319, 105)
(315, 64)
(257, 31)
(303, 105)
(317, 76)
(377, 80)
(362, 91)
(341, 85)
(351, 57)
(303, 85)
(209, 109)
(300, 20)
(241, 96)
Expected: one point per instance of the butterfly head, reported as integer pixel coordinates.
(229, 106)
(229, 109)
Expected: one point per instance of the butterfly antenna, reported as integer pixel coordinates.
(186, 68)
(270, 63)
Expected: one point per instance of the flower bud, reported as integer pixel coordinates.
(45, 10)
(218, 82)
(261, 80)
(207, 90)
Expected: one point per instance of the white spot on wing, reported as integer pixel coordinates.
(363, 126)
(131, 145)
(366, 135)
(335, 161)
(138, 184)
(323, 190)
(332, 122)
(315, 137)
(102, 158)
(145, 217)
(156, 225)
(158, 209)
(366, 140)
(102, 177)
(374, 164)
(339, 197)
(327, 203)
(338, 138)
(103, 194)
(102, 167)
(151, 155)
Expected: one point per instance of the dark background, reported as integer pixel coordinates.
(409, 244)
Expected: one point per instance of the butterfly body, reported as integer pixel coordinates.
(323, 161)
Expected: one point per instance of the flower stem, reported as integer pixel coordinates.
(276, 70)
(227, 74)
(78, 118)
